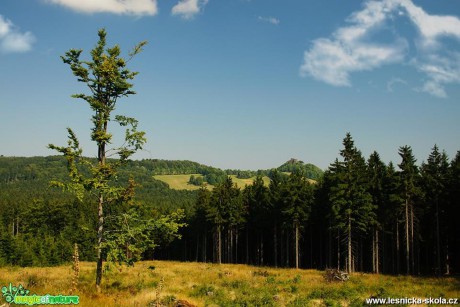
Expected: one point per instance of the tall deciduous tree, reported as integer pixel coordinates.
(108, 80)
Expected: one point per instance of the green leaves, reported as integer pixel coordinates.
(107, 78)
(134, 139)
(128, 236)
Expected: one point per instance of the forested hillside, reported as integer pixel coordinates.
(360, 215)
(39, 224)
(31, 209)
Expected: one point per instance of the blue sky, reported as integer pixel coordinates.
(241, 83)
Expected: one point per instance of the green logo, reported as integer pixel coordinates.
(19, 295)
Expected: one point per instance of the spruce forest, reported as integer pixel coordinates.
(360, 215)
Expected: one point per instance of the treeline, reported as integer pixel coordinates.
(40, 224)
(293, 165)
(307, 169)
(362, 215)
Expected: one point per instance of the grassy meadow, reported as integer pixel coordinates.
(180, 182)
(164, 283)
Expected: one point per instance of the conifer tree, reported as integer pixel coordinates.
(201, 208)
(452, 246)
(392, 213)
(274, 198)
(351, 203)
(376, 174)
(434, 178)
(221, 212)
(297, 202)
(409, 191)
(258, 206)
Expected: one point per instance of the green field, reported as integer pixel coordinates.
(164, 283)
(180, 182)
(241, 183)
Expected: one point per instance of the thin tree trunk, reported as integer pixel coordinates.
(231, 246)
(275, 243)
(283, 261)
(398, 257)
(412, 237)
(219, 245)
(311, 248)
(204, 248)
(197, 247)
(349, 245)
(407, 238)
(383, 266)
(227, 245)
(321, 251)
(373, 252)
(438, 244)
(338, 250)
(329, 262)
(247, 246)
(100, 226)
(262, 249)
(236, 245)
(296, 245)
(100, 214)
(377, 258)
(287, 249)
(214, 245)
(447, 260)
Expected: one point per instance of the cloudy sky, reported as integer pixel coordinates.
(241, 83)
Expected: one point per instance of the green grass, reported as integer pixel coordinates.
(241, 183)
(205, 284)
(180, 182)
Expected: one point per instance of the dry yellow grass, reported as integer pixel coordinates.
(205, 284)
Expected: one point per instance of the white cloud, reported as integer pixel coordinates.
(431, 27)
(272, 20)
(440, 70)
(188, 8)
(349, 50)
(12, 40)
(393, 81)
(332, 60)
(129, 7)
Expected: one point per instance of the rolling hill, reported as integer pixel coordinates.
(175, 174)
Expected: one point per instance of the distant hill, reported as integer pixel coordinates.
(174, 173)
(310, 171)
